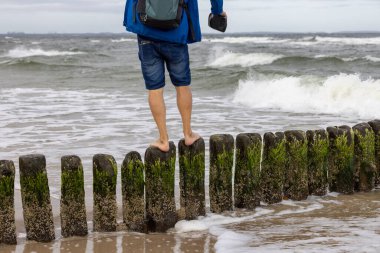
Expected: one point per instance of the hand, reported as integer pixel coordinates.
(224, 14)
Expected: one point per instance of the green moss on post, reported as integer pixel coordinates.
(341, 159)
(38, 215)
(273, 167)
(7, 209)
(375, 125)
(132, 180)
(159, 179)
(318, 148)
(105, 206)
(247, 171)
(73, 208)
(296, 176)
(192, 179)
(365, 165)
(221, 163)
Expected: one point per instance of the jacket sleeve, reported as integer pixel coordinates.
(216, 6)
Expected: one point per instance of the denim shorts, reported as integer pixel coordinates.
(154, 54)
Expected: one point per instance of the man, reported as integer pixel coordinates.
(159, 46)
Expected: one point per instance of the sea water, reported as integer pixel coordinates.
(84, 94)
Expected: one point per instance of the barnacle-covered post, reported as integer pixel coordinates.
(375, 124)
(296, 177)
(132, 180)
(273, 167)
(341, 159)
(247, 170)
(7, 209)
(105, 206)
(192, 179)
(73, 208)
(318, 147)
(35, 194)
(221, 164)
(365, 164)
(159, 179)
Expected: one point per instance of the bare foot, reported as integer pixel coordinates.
(190, 139)
(161, 145)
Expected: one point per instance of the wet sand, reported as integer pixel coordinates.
(333, 223)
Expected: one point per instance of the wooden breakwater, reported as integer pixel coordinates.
(252, 168)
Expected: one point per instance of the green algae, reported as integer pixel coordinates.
(341, 163)
(160, 202)
(247, 174)
(318, 149)
(296, 174)
(365, 160)
(6, 186)
(132, 176)
(192, 179)
(221, 181)
(104, 183)
(72, 184)
(35, 188)
(272, 168)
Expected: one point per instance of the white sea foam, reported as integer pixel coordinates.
(244, 60)
(94, 41)
(349, 41)
(305, 41)
(372, 58)
(340, 94)
(21, 52)
(123, 40)
(242, 40)
(212, 220)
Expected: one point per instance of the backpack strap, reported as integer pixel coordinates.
(191, 26)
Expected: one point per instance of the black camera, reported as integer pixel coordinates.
(217, 22)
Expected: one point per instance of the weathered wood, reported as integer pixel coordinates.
(35, 193)
(159, 179)
(296, 176)
(7, 209)
(221, 163)
(318, 148)
(341, 159)
(105, 206)
(273, 167)
(375, 125)
(192, 179)
(247, 171)
(365, 164)
(132, 179)
(73, 208)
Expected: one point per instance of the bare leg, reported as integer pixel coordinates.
(185, 103)
(158, 109)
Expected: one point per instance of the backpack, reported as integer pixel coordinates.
(161, 14)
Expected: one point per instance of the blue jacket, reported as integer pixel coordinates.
(181, 35)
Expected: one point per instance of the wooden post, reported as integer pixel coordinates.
(296, 176)
(38, 215)
(365, 164)
(375, 124)
(132, 179)
(192, 179)
(7, 209)
(105, 206)
(341, 159)
(159, 177)
(318, 148)
(73, 208)
(247, 171)
(221, 163)
(273, 167)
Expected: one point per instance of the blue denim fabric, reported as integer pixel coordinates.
(154, 54)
